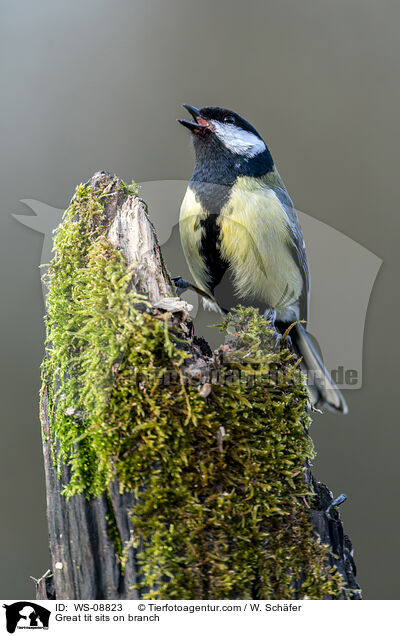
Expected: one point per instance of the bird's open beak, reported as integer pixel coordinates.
(199, 124)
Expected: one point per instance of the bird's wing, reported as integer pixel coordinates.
(297, 246)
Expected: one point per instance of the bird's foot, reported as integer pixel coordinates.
(270, 315)
(181, 283)
(335, 504)
(278, 341)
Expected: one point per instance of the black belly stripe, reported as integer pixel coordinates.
(211, 250)
(212, 197)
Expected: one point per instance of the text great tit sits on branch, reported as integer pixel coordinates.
(237, 218)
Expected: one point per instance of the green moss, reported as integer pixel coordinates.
(129, 188)
(220, 481)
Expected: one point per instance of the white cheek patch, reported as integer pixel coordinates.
(241, 142)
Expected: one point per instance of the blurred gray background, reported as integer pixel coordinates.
(94, 85)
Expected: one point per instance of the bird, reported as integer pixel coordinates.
(237, 218)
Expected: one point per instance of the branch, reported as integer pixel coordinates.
(171, 471)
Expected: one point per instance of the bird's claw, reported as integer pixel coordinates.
(278, 340)
(270, 315)
(181, 283)
(335, 503)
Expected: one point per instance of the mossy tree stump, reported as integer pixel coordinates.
(171, 471)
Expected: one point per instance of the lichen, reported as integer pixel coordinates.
(220, 481)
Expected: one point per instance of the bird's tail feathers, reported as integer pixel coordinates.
(323, 391)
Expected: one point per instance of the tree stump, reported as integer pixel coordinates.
(108, 538)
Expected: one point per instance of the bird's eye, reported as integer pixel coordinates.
(229, 119)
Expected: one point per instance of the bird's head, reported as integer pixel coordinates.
(219, 133)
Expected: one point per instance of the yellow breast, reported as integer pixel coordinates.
(255, 240)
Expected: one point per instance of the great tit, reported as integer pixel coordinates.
(237, 218)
